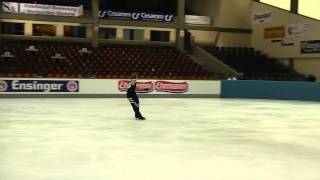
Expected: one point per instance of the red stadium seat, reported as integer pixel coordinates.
(107, 62)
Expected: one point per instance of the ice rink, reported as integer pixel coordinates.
(182, 139)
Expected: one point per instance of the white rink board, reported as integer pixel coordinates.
(110, 86)
(98, 86)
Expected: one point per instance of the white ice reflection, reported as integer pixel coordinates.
(182, 139)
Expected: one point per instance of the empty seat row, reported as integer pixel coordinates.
(56, 60)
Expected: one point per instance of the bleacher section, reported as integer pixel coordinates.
(110, 62)
(253, 64)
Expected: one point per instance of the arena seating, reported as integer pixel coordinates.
(253, 64)
(111, 62)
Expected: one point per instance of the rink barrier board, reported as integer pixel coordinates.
(282, 90)
(107, 96)
(108, 88)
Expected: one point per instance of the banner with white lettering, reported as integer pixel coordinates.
(42, 9)
(142, 16)
(156, 86)
(142, 87)
(171, 87)
(40, 86)
(264, 17)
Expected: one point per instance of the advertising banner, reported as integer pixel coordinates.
(142, 87)
(42, 9)
(274, 32)
(309, 47)
(11, 7)
(265, 17)
(294, 30)
(140, 16)
(40, 86)
(105, 87)
(156, 86)
(198, 20)
(171, 87)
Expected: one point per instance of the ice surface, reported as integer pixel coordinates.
(182, 139)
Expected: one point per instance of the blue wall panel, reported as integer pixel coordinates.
(285, 90)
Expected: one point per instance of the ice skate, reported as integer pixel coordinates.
(140, 118)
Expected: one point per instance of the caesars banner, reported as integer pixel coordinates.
(264, 17)
(39, 86)
(42, 9)
(156, 86)
(142, 16)
(308, 47)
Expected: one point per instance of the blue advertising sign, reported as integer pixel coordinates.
(308, 47)
(142, 16)
(38, 86)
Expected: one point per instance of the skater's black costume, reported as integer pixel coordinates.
(134, 100)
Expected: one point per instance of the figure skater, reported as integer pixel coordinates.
(133, 98)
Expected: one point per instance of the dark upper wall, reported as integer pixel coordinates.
(225, 13)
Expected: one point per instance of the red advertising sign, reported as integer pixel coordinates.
(142, 87)
(171, 87)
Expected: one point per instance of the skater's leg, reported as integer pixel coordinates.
(135, 107)
(138, 116)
